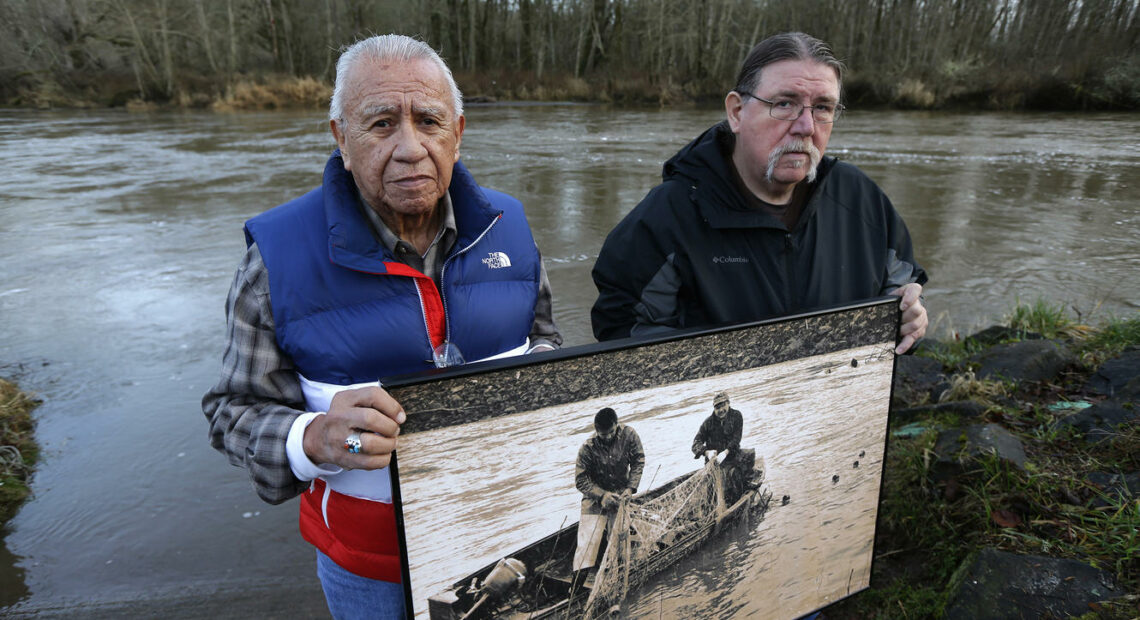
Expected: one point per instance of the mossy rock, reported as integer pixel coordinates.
(995, 585)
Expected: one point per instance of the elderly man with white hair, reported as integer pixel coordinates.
(398, 262)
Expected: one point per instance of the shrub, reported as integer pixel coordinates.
(912, 93)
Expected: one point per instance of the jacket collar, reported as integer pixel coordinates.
(351, 242)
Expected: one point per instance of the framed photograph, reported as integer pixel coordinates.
(736, 473)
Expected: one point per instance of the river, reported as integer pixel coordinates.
(120, 232)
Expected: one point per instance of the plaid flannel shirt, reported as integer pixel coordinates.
(258, 396)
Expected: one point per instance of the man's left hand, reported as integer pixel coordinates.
(914, 320)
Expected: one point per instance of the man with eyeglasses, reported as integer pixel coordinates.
(752, 221)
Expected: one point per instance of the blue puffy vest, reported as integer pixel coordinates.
(347, 312)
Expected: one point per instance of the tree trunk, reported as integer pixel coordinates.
(472, 14)
(581, 39)
(330, 41)
(273, 33)
(233, 40)
(286, 35)
(148, 72)
(167, 61)
(204, 26)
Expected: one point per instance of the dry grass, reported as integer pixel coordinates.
(912, 93)
(274, 93)
(965, 386)
(18, 449)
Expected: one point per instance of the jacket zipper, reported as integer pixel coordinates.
(443, 275)
(789, 270)
(424, 314)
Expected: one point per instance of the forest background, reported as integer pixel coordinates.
(235, 54)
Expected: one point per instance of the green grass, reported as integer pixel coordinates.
(1106, 340)
(927, 529)
(951, 354)
(1114, 336)
(1042, 317)
(1054, 524)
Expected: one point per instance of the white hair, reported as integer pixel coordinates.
(386, 47)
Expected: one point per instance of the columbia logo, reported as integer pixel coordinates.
(497, 260)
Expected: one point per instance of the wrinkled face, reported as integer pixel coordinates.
(400, 135)
(773, 155)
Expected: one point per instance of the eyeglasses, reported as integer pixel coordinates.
(789, 110)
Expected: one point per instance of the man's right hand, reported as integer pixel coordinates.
(610, 501)
(914, 319)
(372, 412)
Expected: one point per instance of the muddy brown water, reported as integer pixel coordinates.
(119, 234)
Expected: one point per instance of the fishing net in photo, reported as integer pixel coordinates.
(652, 534)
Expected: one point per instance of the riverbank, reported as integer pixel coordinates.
(1063, 55)
(18, 448)
(273, 92)
(1012, 482)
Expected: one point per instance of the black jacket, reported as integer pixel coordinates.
(720, 435)
(609, 467)
(692, 253)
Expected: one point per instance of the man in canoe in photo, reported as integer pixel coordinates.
(608, 470)
(721, 433)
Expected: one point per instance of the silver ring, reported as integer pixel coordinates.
(352, 442)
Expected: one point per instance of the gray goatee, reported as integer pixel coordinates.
(804, 146)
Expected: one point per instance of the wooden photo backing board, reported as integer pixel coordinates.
(485, 466)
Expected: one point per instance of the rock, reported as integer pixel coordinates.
(1114, 486)
(917, 380)
(1099, 422)
(997, 585)
(1130, 392)
(957, 448)
(1030, 360)
(1114, 374)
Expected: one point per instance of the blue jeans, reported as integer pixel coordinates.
(352, 597)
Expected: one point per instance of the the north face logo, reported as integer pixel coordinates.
(497, 260)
